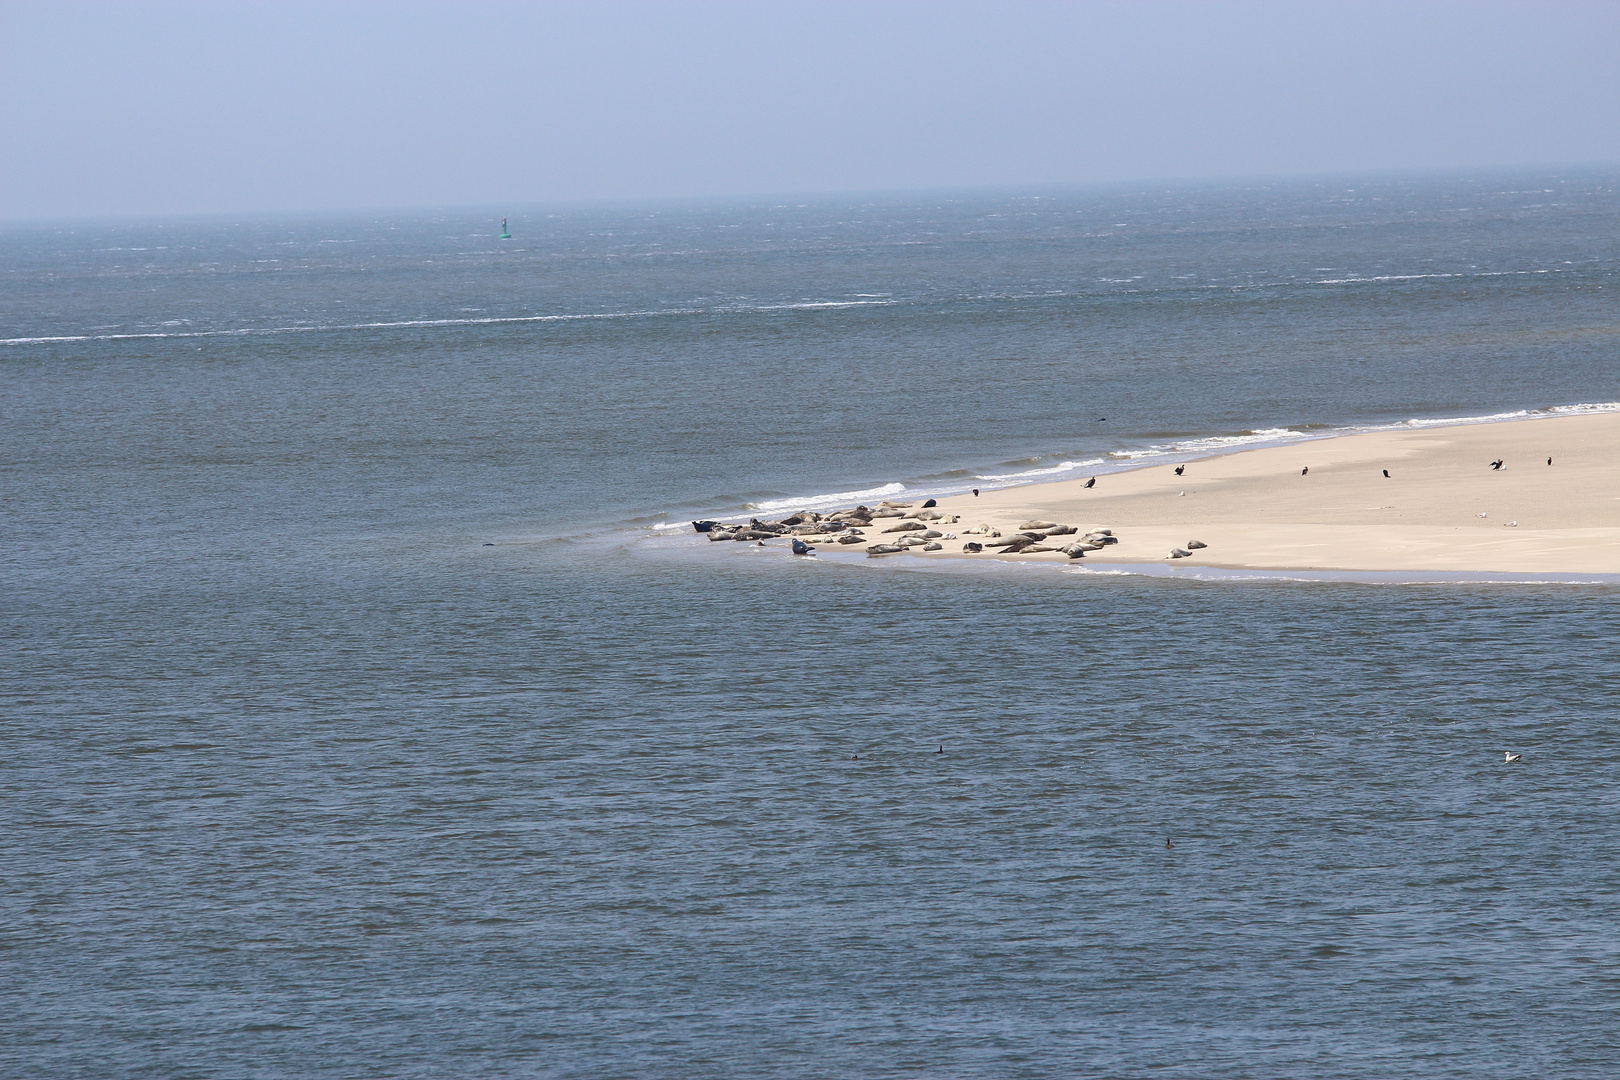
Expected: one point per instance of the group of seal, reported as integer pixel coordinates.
(918, 527)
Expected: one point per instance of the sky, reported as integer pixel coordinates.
(134, 109)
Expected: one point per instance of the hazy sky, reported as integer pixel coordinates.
(132, 108)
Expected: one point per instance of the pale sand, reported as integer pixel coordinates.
(1255, 510)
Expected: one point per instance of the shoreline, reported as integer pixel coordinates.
(1442, 508)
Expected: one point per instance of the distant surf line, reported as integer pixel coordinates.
(725, 309)
(270, 331)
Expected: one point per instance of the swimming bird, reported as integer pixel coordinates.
(1507, 757)
(941, 749)
(1305, 470)
(1168, 845)
(1092, 482)
(1386, 474)
(1180, 469)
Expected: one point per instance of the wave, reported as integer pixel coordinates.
(1210, 444)
(837, 498)
(1054, 470)
(1374, 279)
(394, 325)
(815, 305)
(269, 331)
(1588, 408)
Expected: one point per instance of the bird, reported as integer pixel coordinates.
(1386, 474)
(1181, 493)
(1180, 469)
(1496, 466)
(1092, 482)
(1168, 845)
(1507, 757)
(941, 749)
(1511, 525)
(1305, 470)
(1549, 461)
(975, 493)
(1482, 513)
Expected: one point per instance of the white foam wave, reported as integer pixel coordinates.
(399, 324)
(1053, 470)
(837, 498)
(813, 305)
(1374, 279)
(1585, 408)
(1215, 443)
(268, 331)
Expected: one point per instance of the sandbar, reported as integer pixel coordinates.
(1441, 508)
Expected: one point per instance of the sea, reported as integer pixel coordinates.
(369, 708)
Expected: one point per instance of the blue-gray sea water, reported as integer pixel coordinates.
(357, 722)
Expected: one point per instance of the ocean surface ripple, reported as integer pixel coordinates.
(353, 727)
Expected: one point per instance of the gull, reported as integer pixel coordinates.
(1511, 525)
(1482, 513)
(1507, 757)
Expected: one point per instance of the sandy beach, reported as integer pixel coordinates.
(1442, 507)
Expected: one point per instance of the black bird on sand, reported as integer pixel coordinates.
(1092, 482)
(1386, 473)
(1305, 470)
(1180, 469)
(1549, 461)
(976, 490)
(1496, 466)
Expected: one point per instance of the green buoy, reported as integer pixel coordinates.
(504, 234)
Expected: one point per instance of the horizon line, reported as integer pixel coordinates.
(1173, 183)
